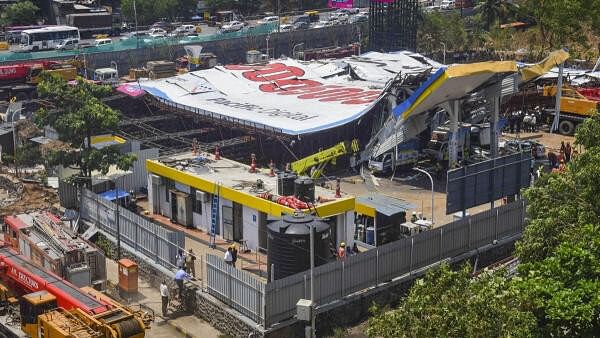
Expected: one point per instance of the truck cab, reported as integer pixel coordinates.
(106, 76)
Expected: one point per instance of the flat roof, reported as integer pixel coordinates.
(384, 204)
(237, 184)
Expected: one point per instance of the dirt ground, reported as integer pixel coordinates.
(33, 197)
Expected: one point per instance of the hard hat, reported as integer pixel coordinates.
(414, 213)
(343, 244)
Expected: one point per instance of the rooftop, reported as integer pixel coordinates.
(237, 183)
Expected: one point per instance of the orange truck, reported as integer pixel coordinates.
(574, 109)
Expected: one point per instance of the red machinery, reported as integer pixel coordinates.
(17, 271)
(20, 71)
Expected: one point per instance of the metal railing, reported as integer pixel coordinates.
(339, 279)
(144, 236)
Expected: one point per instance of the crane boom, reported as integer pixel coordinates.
(322, 158)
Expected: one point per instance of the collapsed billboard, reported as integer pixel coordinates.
(284, 95)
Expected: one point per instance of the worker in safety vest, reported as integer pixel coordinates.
(342, 251)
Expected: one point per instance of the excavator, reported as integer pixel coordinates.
(49, 306)
(314, 165)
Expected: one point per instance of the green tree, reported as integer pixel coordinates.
(78, 114)
(563, 290)
(562, 23)
(20, 13)
(450, 303)
(494, 11)
(438, 29)
(150, 11)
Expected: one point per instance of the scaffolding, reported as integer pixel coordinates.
(393, 25)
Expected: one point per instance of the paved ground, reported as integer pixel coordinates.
(176, 325)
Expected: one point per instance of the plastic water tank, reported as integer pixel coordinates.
(289, 244)
(285, 183)
(304, 189)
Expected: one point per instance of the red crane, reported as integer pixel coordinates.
(23, 275)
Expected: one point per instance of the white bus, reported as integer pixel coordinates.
(47, 37)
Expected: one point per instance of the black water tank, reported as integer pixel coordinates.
(304, 189)
(285, 183)
(289, 244)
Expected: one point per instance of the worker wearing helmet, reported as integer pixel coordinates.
(342, 251)
(414, 217)
(234, 254)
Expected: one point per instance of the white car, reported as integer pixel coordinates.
(157, 32)
(68, 44)
(447, 4)
(286, 28)
(269, 19)
(232, 26)
(102, 42)
(183, 30)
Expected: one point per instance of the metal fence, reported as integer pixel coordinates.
(239, 289)
(336, 280)
(144, 236)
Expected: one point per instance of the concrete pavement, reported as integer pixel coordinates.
(178, 324)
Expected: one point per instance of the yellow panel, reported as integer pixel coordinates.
(481, 67)
(432, 88)
(554, 59)
(251, 201)
(107, 138)
(364, 209)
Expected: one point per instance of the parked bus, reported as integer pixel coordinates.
(13, 33)
(47, 37)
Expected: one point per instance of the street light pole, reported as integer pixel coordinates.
(432, 191)
(312, 281)
(117, 221)
(137, 37)
(444, 51)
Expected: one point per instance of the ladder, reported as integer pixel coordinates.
(214, 216)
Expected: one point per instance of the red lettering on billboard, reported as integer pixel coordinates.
(284, 80)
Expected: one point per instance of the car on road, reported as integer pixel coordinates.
(448, 4)
(322, 24)
(523, 146)
(286, 28)
(359, 18)
(163, 25)
(183, 30)
(68, 44)
(102, 42)
(157, 32)
(269, 19)
(340, 17)
(301, 25)
(232, 26)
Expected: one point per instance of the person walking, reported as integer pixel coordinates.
(190, 262)
(234, 254)
(562, 146)
(568, 152)
(164, 296)
(180, 276)
(180, 259)
(228, 258)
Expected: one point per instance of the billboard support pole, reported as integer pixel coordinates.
(493, 95)
(453, 144)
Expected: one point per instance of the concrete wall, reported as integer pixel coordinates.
(232, 50)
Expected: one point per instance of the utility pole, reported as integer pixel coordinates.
(432, 191)
(137, 37)
(278, 16)
(117, 220)
(313, 315)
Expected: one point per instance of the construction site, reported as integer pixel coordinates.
(284, 190)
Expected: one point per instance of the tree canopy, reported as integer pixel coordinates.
(20, 13)
(150, 11)
(77, 114)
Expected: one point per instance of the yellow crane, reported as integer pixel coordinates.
(319, 160)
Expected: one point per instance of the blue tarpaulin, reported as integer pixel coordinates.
(111, 195)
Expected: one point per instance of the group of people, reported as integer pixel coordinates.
(559, 161)
(185, 270)
(231, 255)
(528, 121)
(345, 251)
